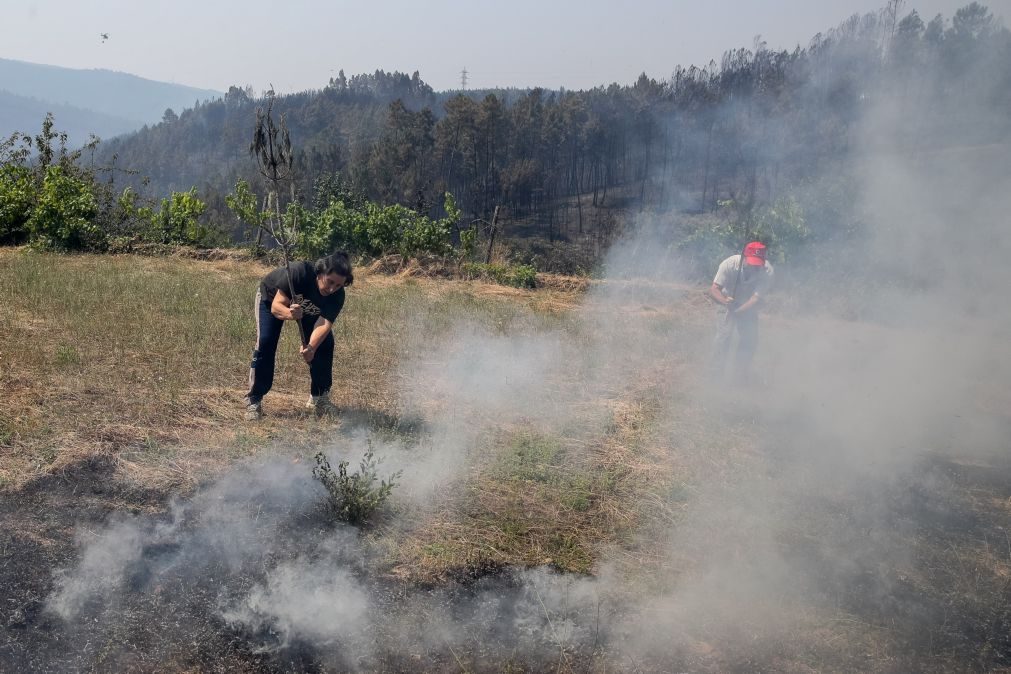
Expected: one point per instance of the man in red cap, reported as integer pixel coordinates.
(740, 284)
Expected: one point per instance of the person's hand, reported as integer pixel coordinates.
(296, 312)
(307, 353)
(727, 301)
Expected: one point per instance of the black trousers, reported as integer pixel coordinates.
(261, 369)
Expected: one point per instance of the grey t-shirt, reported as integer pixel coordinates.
(753, 279)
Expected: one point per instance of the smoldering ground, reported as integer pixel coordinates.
(797, 525)
(771, 555)
(845, 510)
(250, 567)
(250, 574)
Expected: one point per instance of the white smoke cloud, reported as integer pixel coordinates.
(841, 415)
(320, 600)
(100, 570)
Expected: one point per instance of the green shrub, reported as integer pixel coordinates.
(46, 197)
(17, 199)
(710, 238)
(64, 215)
(782, 226)
(243, 203)
(468, 242)
(376, 230)
(353, 498)
(178, 221)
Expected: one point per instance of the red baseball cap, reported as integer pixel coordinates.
(754, 253)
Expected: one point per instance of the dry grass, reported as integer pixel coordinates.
(146, 358)
(540, 499)
(537, 494)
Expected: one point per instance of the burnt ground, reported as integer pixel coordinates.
(933, 577)
(38, 525)
(959, 596)
(933, 569)
(166, 611)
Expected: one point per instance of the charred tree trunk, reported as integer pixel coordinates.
(491, 236)
(705, 173)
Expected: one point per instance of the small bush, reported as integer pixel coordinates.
(353, 498)
(178, 221)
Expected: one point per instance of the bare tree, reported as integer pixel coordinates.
(271, 147)
(890, 21)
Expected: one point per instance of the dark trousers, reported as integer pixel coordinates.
(746, 326)
(261, 369)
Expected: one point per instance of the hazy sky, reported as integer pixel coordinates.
(299, 44)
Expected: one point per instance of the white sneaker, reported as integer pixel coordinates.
(322, 406)
(254, 411)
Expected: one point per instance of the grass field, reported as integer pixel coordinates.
(147, 358)
(576, 497)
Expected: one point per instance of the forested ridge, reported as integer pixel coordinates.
(761, 136)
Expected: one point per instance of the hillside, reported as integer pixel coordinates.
(25, 114)
(761, 131)
(552, 440)
(89, 101)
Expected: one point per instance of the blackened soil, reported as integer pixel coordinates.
(928, 564)
(932, 573)
(37, 527)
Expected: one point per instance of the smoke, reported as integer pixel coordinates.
(100, 569)
(252, 555)
(314, 599)
(801, 486)
(848, 412)
(466, 386)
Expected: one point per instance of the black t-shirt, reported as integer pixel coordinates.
(307, 295)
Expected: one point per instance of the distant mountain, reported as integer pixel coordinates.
(21, 113)
(102, 102)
